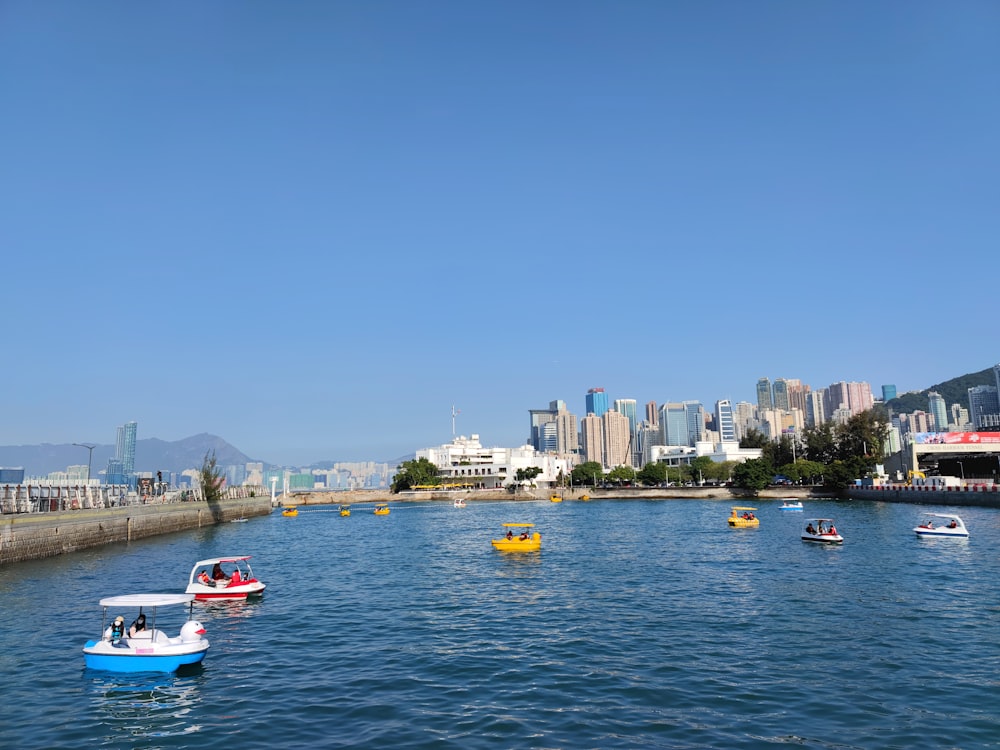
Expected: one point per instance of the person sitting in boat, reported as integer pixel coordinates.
(138, 625)
(524, 535)
(218, 574)
(953, 524)
(203, 578)
(237, 579)
(833, 529)
(810, 529)
(510, 534)
(117, 630)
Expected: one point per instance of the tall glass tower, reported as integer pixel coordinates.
(936, 406)
(121, 468)
(765, 399)
(597, 402)
(780, 392)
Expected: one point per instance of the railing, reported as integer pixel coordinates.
(48, 498)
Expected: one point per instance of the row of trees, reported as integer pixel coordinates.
(830, 454)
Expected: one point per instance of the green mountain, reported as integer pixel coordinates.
(954, 391)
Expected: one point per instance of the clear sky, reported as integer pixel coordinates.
(312, 228)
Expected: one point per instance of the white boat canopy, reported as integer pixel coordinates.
(146, 600)
(942, 515)
(214, 560)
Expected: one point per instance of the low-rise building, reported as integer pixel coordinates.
(465, 462)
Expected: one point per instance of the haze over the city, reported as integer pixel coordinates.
(314, 229)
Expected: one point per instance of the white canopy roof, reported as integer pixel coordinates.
(146, 600)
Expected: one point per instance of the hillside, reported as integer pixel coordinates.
(151, 455)
(954, 391)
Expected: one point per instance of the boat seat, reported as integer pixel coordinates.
(151, 636)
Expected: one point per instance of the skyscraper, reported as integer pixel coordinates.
(121, 468)
(592, 438)
(651, 414)
(937, 407)
(597, 402)
(125, 449)
(616, 439)
(725, 422)
(765, 399)
(780, 391)
(984, 407)
(888, 392)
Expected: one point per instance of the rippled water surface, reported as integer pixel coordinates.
(639, 624)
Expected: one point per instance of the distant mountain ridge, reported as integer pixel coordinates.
(151, 455)
(954, 391)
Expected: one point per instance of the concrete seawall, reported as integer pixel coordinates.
(32, 536)
(928, 496)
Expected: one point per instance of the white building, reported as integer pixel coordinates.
(676, 455)
(464, 461)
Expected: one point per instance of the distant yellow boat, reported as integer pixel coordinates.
(290, 512)
(556, 498)
(345, 510)
(381, 510)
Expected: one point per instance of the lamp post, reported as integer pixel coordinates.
(961, 468)
(90, 456)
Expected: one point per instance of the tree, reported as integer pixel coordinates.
(589, 472)
(702, 467)
(783, 452)
(808, 472)
(820, 443)
(622, 475)
(653, 474)
(863, 434)
(211, 479)
(413, 473)
(754, 474)
(754, 439)
(527, 474)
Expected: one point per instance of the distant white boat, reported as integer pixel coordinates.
(459, 503)
(791, 504)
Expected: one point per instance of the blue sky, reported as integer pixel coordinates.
(312, 228)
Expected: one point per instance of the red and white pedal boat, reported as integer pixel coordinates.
(224, 579)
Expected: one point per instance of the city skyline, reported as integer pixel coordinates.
(315, 230)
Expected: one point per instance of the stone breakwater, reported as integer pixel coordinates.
(36, 535)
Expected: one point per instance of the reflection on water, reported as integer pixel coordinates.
(146, 705)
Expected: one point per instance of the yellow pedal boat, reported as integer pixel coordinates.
(381, 510)
(743, 517)
(345, 510)
(290, 512)
(519, 538)
(555, 498)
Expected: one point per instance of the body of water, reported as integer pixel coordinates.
(640, 624)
